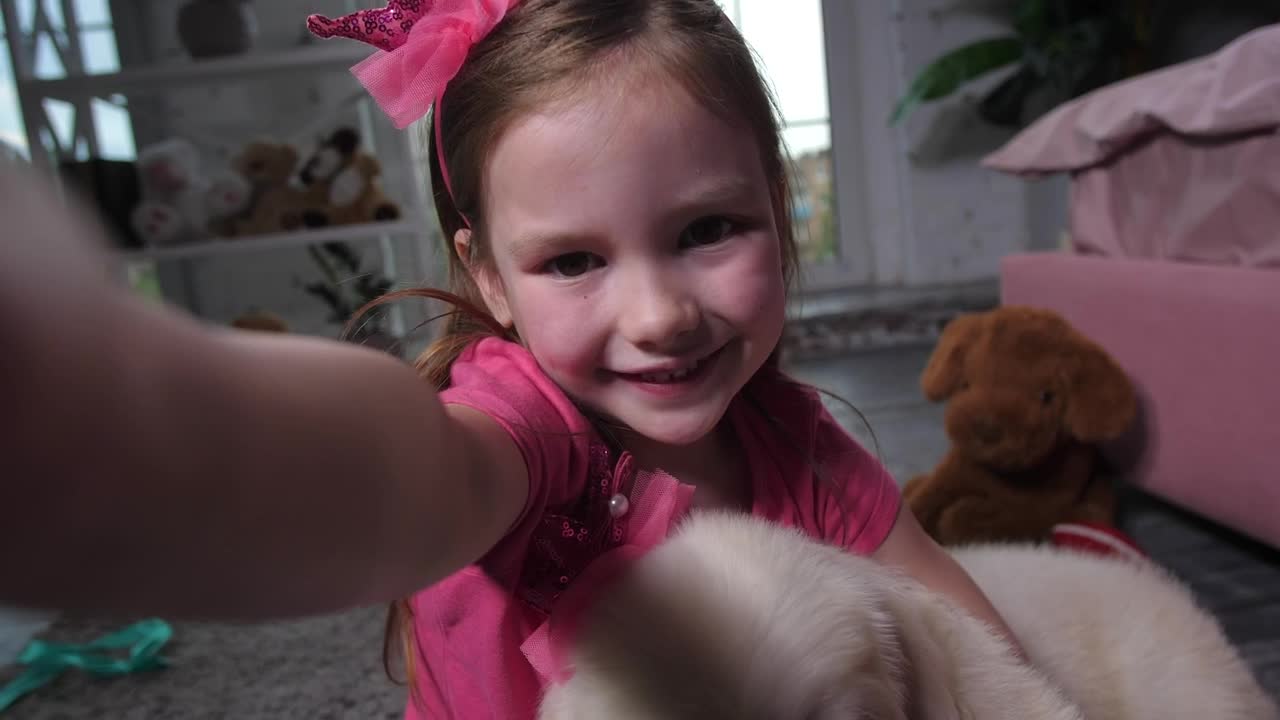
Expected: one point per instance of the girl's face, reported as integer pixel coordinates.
(635, 249)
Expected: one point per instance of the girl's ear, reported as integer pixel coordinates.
(491, 289)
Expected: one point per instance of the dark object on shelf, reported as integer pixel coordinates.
(112, 188)
(216, 28)
(343, 185)
(260, 321)
(346, 288)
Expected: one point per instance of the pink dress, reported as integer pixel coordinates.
(482, 633)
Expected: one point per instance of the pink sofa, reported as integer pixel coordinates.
(1202, 343)
(1174, 267)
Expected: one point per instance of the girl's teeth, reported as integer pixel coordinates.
(665, 377)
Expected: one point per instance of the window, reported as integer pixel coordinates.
(793, 43)
(86, 44)
(788, 41)
(13, 133)
(91, 127)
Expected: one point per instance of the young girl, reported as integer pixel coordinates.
(611, 178)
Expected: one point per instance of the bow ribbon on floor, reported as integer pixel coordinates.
(45, 661)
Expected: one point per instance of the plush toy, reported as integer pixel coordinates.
(180, 202)
(1029, 399)
(261, 321)
(227, 198)
(342, 184)
(173, 206)
(273, 205)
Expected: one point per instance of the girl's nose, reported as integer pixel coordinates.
(658, 315)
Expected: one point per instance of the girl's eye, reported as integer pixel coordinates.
(706, 231)
(572, 265)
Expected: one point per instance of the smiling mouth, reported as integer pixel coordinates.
(672, 377)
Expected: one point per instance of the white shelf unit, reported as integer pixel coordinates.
(365, 233)
(78, 88)
(334, 55)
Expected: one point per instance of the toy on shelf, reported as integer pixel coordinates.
(342, 184)
(1029, 400)
(175, 191)
(261, 321)
(273, 204)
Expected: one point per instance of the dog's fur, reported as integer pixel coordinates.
(737, 618)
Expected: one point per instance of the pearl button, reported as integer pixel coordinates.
(619, 505)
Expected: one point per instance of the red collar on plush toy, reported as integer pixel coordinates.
(1097, 539)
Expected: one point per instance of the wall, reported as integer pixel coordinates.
(964, 218)
(926, 214)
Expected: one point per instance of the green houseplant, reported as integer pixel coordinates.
(1065, 48)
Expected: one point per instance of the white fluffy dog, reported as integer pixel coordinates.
(736, 618)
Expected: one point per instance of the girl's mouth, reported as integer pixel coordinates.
(672, 376)
(673, 379)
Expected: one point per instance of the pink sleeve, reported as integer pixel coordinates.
(861, 499)
(502, 380)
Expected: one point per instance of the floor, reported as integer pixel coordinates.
(330, 667)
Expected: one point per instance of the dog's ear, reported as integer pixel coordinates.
(945, 371)
(1101, 403)
(958, 669)
(932, 673)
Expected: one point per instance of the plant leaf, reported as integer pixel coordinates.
(344, 254)
(964, 64)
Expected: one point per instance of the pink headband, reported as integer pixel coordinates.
(423, 44)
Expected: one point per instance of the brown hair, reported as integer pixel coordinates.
(542, 50)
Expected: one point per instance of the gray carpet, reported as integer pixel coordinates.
(326, 668)
(331, 667)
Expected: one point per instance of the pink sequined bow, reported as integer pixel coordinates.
(424, 44)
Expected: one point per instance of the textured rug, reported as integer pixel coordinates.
(325, 668)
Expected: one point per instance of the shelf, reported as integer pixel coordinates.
(185, 74)
(258, 243)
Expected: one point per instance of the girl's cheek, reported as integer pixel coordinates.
(560, 332)
(751, 287)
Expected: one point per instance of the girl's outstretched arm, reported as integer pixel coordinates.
(151, 464)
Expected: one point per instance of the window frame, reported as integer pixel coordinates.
(867, 164)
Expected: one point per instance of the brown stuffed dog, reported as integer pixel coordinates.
(1028, 400)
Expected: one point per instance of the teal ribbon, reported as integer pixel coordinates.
(103, 657)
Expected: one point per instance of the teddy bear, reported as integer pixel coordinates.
(1029, 400)
(342, 184)
(273, 204)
